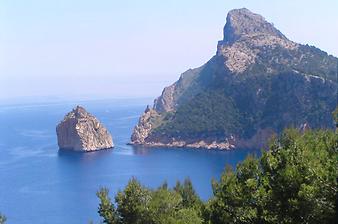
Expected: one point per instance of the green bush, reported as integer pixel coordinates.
(138, 204)
(293, 182)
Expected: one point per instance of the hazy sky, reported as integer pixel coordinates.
(130, 48)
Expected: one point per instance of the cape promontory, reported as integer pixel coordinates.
(81, 131)
(257, 84)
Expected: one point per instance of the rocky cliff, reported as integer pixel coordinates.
(258, 83)
(81, 131)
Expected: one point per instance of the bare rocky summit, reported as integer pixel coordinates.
(81, 131)
(257, 84)
(245, 33)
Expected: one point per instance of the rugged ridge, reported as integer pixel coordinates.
(258, 83)
(242, 23)
(81, 131)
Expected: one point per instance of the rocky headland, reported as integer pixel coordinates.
(258, 83)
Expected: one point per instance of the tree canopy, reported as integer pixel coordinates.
(294, 181)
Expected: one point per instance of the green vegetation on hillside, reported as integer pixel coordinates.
(292, 182)
(243, 107)
(210, 112)
(284, 88)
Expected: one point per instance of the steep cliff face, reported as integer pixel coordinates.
(258, 83)
(81, 131)
(173, 94)
(145, 125)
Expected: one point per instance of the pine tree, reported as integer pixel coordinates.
(106, 208)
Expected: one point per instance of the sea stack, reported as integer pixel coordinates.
(81, 131)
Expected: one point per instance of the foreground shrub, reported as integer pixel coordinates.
(294, 181)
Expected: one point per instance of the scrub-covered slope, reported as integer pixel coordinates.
(258, 83)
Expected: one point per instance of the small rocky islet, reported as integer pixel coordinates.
(81, 131)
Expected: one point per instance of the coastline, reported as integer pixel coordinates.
(182, 144)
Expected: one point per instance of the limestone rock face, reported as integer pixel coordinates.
(246, 36)
(144, 126)
(244, 23)
(81, 131)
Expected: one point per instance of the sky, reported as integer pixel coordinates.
(125, 48)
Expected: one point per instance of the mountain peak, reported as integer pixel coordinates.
(244, 23)
(80, 111)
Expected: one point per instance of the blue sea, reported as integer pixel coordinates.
(40, 184)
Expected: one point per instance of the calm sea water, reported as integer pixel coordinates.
(39, 184)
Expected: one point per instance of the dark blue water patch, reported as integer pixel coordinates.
(40, 184)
